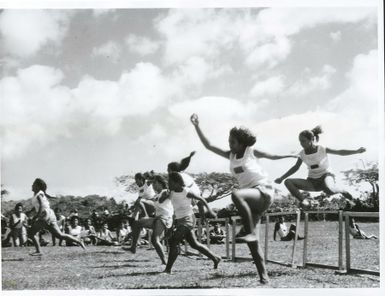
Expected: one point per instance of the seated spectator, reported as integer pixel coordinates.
(357, 233)
(73, 212)
(123, 232)
(61, 222)
(104, 237)
(88, 233)
(6, 232)
(74, 229)
(217, 235)
(19, 224)
(285, 234)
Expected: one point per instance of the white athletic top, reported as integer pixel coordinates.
(43, 199)
(22, 218)
(190, 184)
(317, 163)
(164, 209)
(76, 232)
(282, 232)
(146, 191)
(247, 169)
(181, 203)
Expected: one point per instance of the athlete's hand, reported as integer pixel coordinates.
(278, 180)
(194, 119)
(361, 150)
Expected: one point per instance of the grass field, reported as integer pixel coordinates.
(113, 268)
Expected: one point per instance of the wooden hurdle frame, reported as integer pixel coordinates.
(267, 215)
(298, 217)
(305, 263)
(347, 216)
(199, 236)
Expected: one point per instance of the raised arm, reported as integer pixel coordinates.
(199, 198)
(164, 196)
(261, 154)
(290, 172)
(195, 121)
(345, 152)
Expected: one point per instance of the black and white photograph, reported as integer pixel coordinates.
(192, 148)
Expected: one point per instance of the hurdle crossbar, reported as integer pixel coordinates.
(347, 216)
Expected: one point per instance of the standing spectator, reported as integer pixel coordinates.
(95, 219)
(19, 226)
(61, 222)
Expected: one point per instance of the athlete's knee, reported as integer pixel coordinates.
(288, 183)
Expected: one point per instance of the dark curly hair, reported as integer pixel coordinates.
(176, 177)
(312, 134)
(243, 136)
(40, 184)
(18, 205)
(161, 180)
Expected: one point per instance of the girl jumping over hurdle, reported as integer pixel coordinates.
(255, 194)
(184, 220)
(160, 223)
(315, 157)
(45, 217)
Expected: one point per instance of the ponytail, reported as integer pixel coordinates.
(312, 134)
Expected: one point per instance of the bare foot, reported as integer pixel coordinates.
(216, 262)
(36, 254)
(81, 244)
(167, 271)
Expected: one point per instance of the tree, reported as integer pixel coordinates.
(4, 192)
(368, 174)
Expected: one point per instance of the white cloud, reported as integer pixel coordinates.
(110, 50)
(269, 87)
(360, 99)
(37, 109)
(307, 83)
(263, 37)
(102, 12)
(25, 32)
(141, 45)
(335, 36)
(34, 109)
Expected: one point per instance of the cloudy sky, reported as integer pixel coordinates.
(88, 95)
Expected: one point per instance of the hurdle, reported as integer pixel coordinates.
(305, 262)
(294, 248)
(200, 223)
(347, 216)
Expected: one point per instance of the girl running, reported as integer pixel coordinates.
(45, 217)
(146, 192)
(160, 223)
(184, 220)
(315, 157)
(255, 194)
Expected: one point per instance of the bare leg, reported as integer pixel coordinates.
(192, 240)
(32, 234)
(155, 239)
(177, 237)
(55, 230)
(257, 254)
(251, 203)
(136, 228)
(295, 185)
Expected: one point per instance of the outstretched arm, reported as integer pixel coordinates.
(195, 121)
(290, 172)
(345, 152)
(261, 154)
(194, 196)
